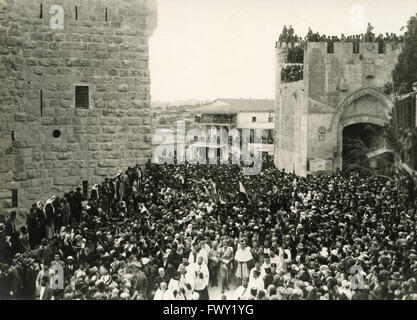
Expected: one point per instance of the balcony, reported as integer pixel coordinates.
(216, 120)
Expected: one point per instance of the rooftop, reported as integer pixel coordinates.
(234, 106)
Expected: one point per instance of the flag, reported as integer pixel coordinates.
(242, 192)
(241, 188)
(294, 183)
(214, 192)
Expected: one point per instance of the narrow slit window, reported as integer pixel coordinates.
(81, 97)
(15, 203)
(85, 189)
(41, 102)
(105, 15)
(76, 13)
(41, 12)
(13, 138)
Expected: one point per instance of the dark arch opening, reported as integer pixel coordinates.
(359, 140)
(362, 144)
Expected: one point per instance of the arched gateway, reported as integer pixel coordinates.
(366, 105)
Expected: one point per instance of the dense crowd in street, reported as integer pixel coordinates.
(173, 231)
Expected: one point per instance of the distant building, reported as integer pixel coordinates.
(166, 119)
(163, 145)
(238, 114)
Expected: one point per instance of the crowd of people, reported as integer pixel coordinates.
(290, 38)
(292, 73)
(171, 232)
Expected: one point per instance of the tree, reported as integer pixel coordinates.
(405, 72)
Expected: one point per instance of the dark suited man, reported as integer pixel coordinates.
(11, 224)
(77, 199)
(33, 228)
(5, 250)
(15, 277)
(69, 268)
(29, 279)
(44, 292)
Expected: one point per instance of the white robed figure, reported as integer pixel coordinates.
(201, 278)
(174, 291)
(161, 292)
(243, 256)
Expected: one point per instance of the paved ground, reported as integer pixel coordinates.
(215, 292)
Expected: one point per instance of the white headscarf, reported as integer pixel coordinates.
(95, 187)
(49, 201)
(40, 206)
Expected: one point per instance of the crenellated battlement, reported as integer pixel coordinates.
(140, 14)
(347, 48)
(339, 49)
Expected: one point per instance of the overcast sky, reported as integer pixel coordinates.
(206, 49)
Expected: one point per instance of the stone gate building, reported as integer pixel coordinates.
(335, 89)
(74, 94)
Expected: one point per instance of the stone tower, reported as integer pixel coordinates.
(338, 88)
(74, 94)
(290, 117)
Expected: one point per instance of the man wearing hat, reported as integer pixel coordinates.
(69, 268)
(77, 199)
(29, 278)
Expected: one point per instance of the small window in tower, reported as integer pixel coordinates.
(76, 13)
(253, 119)
(106, 15)
(41, 12)
(81, 97)
(14, 198)
(13, 138)
(270, 119)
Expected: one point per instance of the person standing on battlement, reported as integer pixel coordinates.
(291, 38)
(310, 35)
(284, 36)
(369, 37)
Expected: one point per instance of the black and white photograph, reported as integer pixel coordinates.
(211, 150)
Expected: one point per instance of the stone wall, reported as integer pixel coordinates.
(291, 128)
(39, 69)
(331, 77)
